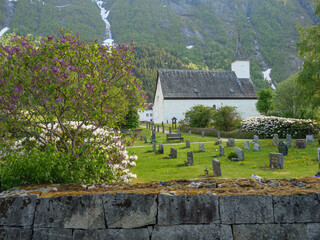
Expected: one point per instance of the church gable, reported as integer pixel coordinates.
(192, 84)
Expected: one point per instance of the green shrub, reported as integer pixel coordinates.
(232, 155)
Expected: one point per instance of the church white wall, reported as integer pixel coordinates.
(241, 69)
(176, 108)
(158, 106)
(146, 115)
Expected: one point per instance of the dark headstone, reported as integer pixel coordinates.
(187, 144)
(169, 129)
(153, 137)
(239, 153)
(283, 148)
(157, 128)
(246, 145)
(216, 167)
(276, 160)
(190, 158)
(221, 150)
(173, 153)
(201, 147)
(163, 129)
(145, 140)
(300, 144)
(231, 142)
(160, 148)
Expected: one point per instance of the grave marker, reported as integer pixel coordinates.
(190, 158)
(256, 139)
(179, 130)
(276, 160)
(154, 147)
(256, 147)
(239, 153)
(160, 148)
(153, 136)
(218, 133)
(201, 147)
(145, 140)
(162, 129)
(309, 139)
(202, 133)
(189, 132)
(275, 139)
(300, 144)
(187, 144)
(173, 153)
(169, 130)
(318, 173)
(230, 142)
(157, 128)
(216, 167)
(289, 140)
(221, 150)
(283, 148)
(246, 145)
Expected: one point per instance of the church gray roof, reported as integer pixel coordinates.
(192, 84)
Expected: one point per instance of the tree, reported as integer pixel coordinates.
(225, 118)
(308, 49)
(199, 116)
(52, 91)
(264, 103)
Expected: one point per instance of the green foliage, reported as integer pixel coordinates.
(199, 116)
(264, 103)
(309, 77)
(225, 118)
(232, 155)
(131, 120)
(39, 166)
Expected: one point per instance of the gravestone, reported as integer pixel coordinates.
(276, 160)
(309, 139)
(283, 148)
(187, 144)
(256, 147)
(147, 125)
(173, 153)
(216, 167)
(230, 142)
(179, 130)
(162, 129)
(246, 145)
(160, 148)
(239, 153)
(154, 147)
(275, 139)
(190, 158)
(256, 139)
(218, 133)
(157, 128)
(221, 150)
(189, 132)
(202, 133)
(153, 137)
(300, 144)
(201, 147)
(289, 140)
(170, 130)
(145, 140)
(162, 124)
(318, 173)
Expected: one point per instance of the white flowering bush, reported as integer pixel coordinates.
(32, 159)
(267, 126)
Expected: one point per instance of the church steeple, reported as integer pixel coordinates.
(240, 63)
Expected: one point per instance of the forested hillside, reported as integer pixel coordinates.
(180, 33)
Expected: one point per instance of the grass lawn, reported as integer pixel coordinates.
(155, 167)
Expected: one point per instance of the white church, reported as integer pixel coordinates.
(179, 90)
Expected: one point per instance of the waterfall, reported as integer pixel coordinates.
(104, 15)
(9, 5)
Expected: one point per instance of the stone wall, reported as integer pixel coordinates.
(160, 216)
